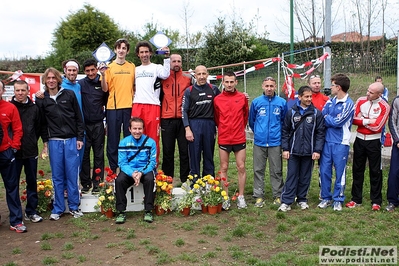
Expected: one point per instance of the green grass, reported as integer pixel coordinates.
(291, 238)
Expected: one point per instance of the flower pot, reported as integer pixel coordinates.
(185, 211)
(109, 213)
(204, 208)
(220, 207)
(159, 211)
(212, 209)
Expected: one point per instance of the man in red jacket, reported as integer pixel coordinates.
(11, 123)
(318, 98)
(231, 116)
(171, 123)
(371, 113)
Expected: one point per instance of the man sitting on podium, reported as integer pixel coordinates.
(137, 163)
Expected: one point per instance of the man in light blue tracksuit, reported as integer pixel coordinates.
(137, 162)
(338, 116)
(266, 118)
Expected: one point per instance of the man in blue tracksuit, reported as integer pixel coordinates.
(137, 162)
(266, 118)
(65, 130)
(338, 116)
(302, 143)
(199, 124)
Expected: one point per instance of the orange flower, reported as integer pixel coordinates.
(47, 194)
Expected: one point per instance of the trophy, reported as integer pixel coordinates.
(160, 40)
(103, 54)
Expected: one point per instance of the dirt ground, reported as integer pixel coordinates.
(172, 239)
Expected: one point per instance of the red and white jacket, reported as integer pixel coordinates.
(366, 110)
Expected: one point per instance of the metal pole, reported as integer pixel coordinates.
(278, 75)
(327, 48)
(397, 67)
(245, 78)
(292, 31)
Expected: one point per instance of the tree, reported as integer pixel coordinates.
(82, 31)
(230, 43)
(189, 40)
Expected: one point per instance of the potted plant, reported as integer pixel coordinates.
(164, 196)
(106, 197)
(188, 199)
(44, 193)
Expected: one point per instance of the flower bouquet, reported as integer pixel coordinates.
(164, 187)
(44, 193)
(188, 198)
(106, 197)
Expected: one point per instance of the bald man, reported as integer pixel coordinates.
(371, 113)
(200, 128)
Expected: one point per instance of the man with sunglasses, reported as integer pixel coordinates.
(318, 98)
(266, 117)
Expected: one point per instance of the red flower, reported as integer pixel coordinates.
(97, 171)
(217, 178)
(23, 182)
(41, 173)
(97, 178)
(234, 198)
(224, 178)
(107, 169)
(23, 197)
(24, 192)
(226, 184)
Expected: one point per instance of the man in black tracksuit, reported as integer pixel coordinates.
(26, 157)
(199, 124)
(302, 141)
(93, 101)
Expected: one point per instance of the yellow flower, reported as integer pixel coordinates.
(99, 203)
(226, 197)
(111, 198)
(109, 191)
(223, 193)
(159, 183)
(48, 182)
(196, 186)
(217, 183)
(190, 177)
(217, 189)
(101, 198)
(40, 188)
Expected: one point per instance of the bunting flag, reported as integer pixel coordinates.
(32, 79)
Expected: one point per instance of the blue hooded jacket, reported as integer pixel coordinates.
(266, 117)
